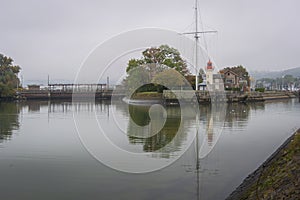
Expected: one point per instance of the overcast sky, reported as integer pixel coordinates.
(54, 37)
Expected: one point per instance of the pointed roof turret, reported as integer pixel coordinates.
(209, 65)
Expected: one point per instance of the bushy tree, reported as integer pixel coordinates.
(171, 78)
(154, 61)
(8, 77)
(162, 55)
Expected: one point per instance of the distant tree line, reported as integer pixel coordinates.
(286, 82)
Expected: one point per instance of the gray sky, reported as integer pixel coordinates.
(54, 37)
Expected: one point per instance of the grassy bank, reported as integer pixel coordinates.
(147, 95)
(277, 178)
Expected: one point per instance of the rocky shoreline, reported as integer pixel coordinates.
(277, 178)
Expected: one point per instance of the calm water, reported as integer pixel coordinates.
(42, 156)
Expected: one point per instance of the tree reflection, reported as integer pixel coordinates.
(9, 119)
(140, 116)
(211, 117)
(179, 124)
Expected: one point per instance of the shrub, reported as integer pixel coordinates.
(260, 89)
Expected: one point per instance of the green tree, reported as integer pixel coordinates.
(154, 61)
(170, 77)
(137, 77)
(8, 77)
(162, 55)
(133, 63)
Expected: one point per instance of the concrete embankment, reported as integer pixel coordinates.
(258, 96)
(168, 96)
(267, 96)
(277, 178)
(227, 96)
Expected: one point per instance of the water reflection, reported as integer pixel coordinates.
(9, 119)
(212, 118)
(208, 121)
(158, 129)
(236, 118)
(140, 116)
(36, 156)
(238, 114)
(80, 106)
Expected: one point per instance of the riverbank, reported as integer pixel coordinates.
(277, 178)
(167, 97)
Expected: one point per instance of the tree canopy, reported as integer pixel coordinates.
(170, 77)
(155, 62)
(163, 55)
(8, 77)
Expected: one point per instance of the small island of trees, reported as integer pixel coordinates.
(157, 68)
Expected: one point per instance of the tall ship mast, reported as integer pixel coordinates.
(196, 37)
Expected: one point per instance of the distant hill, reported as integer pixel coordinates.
(275, 74)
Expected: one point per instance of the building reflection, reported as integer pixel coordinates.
(34, 106)
(210, 131)
(212, 118)
(65, 106)
(78, 106)
(237, 114)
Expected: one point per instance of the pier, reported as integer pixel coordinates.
(66, 91)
